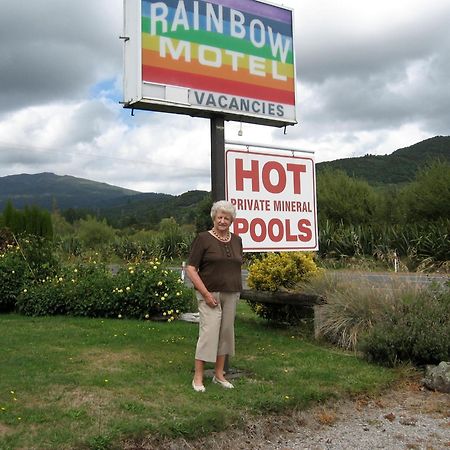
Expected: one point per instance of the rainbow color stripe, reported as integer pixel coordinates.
(174, 49)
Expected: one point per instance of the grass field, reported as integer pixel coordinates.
(92, 383)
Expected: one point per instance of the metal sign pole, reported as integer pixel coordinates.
(217, 158)
(218, 171)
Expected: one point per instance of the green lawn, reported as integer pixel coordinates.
(88, 383)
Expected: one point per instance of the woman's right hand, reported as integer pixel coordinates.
(210, 300)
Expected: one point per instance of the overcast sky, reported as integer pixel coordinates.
(372, 77)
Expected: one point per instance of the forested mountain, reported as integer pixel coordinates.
(124, 207)
(149, 209)
(399, 167)
(77, 197)
(48, 190)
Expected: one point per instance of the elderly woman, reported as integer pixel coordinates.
(214, 267)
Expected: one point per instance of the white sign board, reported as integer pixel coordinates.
(275, 198)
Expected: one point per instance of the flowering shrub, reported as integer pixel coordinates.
(21, 258)
(149, 290)
(38, 253)
(276, 271)
(12, 275)
(144, 290)
(281, 270)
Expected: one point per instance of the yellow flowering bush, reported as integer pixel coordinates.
(22, 258)
(142, 290)
(276, 271)
(281, 270)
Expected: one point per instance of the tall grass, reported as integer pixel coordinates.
(423, 246)
(357, 309)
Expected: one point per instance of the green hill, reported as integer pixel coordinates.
(149, 209)
(78, 196)
(48, 190)
(397, 168)
(126, 207)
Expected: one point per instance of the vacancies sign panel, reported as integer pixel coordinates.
(275, 198)
(233, 57)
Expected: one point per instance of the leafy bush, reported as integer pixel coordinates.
(131, 249)
(345, 199)
(281, 270)
(150, 290)
(39, 255)
(171, 241)
(13, 272)
(276, 271)
(144, 290)
(416, 329)
(428, 196)
(94, 233)
(27, 258)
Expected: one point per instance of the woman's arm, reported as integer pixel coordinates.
(193, 275)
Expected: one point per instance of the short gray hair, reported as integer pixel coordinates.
(225, 206)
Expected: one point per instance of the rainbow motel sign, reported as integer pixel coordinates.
(275, 198)
(232, 58)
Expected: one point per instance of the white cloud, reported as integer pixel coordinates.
(371, 78)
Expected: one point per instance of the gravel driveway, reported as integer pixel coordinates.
(410, 417)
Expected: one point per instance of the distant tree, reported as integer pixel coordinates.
(32, 220)
(93, 232)
(8, 212)
(74, 214)
(203, 220)
(428, 197)
(392, 206)
(168, 224)
(61, 227)
(341, 199)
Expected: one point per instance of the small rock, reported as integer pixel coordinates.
(390, 417)
(437, 378)
(190, 317)
(409, 421)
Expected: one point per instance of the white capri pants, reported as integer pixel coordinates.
(216, 327)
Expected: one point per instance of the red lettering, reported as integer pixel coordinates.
(274, 188)
(296, 170)
(276, 223)
(304, 227)
(275, 229)
(263, 231)
(289, 237)
(252, 174)
(240, 226)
